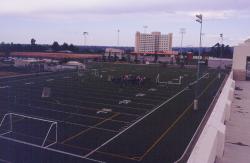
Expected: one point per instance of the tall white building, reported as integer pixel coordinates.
(153, 42)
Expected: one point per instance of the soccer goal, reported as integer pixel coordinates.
(174, 82)
(29, 130)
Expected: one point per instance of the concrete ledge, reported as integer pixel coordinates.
(239, 75)
(210, 144)
(207, 153)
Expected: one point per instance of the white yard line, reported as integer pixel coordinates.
(29, 83)
(3, 87)
(136, 122)
(48, 80)
(139, 120)
(4, 161)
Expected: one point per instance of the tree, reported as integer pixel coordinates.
(72, 48)
(32, 42)
(65, 46)
(55, 46)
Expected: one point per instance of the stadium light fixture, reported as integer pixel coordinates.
(199, 19)
(145, 28)
(85, 37)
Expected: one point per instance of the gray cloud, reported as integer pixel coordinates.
(118, 7)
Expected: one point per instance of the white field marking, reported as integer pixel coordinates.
(109, 99)
(85, 108)
(5, 133)
(50, 149)
(5, 161)
(194, 82)
(66, 77)
(101, 112)
(75, 114)
(29, 83)
(50, 145)
(140, 95)
(125, 101)
(133, 124)
(32, 77)
(152, 89)
(113, 105)
(48, 80)
(111, 92)
(3, 87)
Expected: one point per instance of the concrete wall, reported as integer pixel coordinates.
(216, 62)
(210, 145)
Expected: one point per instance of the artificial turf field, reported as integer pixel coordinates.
(83, 120)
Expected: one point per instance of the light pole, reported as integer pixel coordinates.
(221, 36)
(199, 20)
(145, 41)
(85, 37)
(145, 28)
(182, 32)
(118, 37)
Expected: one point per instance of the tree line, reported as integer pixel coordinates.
(33, 47)
(218, 50)
(7, 48)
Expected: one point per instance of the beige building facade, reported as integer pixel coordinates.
(241, 61)
(153, 42)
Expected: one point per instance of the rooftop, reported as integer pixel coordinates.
(237, 143)
(55, 55)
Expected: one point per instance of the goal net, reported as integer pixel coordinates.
(28, 130)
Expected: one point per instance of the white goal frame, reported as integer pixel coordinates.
(52, 124)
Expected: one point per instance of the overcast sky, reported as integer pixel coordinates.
(66, 20)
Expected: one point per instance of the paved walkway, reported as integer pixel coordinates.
(237, 144)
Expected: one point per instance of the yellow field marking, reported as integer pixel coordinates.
(165, 133)
(76, 135)
(207, 87)
(173, 124)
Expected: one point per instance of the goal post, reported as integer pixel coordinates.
(49, 134)
(6, 124)
(10, 122)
